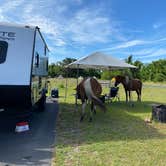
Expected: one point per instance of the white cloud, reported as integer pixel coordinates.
(156, 53)
(88, 27)
(35, 13)
(1, 17)
(125, 45)
(133, 43)
(78, 1)
(46, 24)
(65, 25)
(10, 5)
(130, 44)
(155, 26)
(28, 9)
(158, 25)
(147, 54)
(85, 26)
(144, 51)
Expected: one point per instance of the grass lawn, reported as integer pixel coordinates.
(118, 137)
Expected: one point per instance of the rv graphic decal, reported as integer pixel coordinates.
(7, 35)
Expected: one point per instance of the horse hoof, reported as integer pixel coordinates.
(81, 119)
(131, 104)
(90, 119)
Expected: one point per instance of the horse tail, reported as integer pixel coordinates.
(98, 102)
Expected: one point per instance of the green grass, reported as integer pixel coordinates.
(118, 137)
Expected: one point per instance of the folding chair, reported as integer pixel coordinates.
(113, 94)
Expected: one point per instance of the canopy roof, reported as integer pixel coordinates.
(99, 60)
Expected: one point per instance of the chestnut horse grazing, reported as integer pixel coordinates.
(89, 89)
(129, 85)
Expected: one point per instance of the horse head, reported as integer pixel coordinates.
(118, 80)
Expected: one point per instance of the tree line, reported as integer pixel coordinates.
(154, 71)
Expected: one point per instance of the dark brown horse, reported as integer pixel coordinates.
(89, 89)
(129, 85)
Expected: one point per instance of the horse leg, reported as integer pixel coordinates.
(129, 95)
(91, 111)
(83, 111)
(138, 95)
(126, 96)
(94, 109)
(131, 99)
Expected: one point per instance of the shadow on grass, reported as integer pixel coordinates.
(120, 122)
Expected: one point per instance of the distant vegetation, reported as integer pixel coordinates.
(154, 71)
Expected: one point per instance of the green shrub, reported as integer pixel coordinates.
(160, 77)
(61, 86)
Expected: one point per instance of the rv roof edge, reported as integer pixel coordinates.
(17, 25)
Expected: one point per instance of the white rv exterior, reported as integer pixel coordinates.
(23, 66)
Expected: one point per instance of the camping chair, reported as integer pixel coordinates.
(113, 94)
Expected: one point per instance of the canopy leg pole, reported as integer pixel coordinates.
(76, 104)
(66, 84)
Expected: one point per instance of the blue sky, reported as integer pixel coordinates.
(76, 28)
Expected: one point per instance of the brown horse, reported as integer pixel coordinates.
(129, 85)
(89, 89)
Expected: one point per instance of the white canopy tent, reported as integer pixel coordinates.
(98, 60)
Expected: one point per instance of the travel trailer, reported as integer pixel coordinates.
(23, 68)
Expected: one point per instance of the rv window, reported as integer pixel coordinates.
(3, 51)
